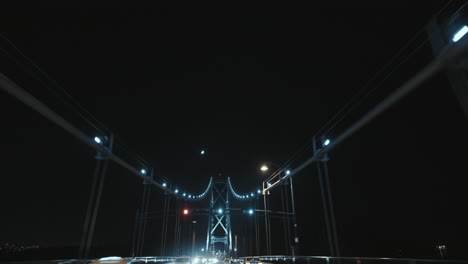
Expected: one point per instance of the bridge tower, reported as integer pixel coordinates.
(219, 238)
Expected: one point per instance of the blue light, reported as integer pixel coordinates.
(460, 33)
(97, 140)
(164, 184)
(251, 194)
(184, 194)
(143, 171)
(190, 196)
(258, 191)
(251, 211)
(326, 142)
(176, 190)
(220, 211)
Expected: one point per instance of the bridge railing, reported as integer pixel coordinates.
(151, 259)
(279, 259)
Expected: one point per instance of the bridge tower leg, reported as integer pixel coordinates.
(219, 220)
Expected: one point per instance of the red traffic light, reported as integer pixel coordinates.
(185, 212)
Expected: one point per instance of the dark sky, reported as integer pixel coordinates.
(248, 85)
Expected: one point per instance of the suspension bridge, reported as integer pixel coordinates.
(220, 202)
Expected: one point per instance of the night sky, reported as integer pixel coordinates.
(248, 85)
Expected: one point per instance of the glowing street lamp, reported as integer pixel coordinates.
(460, 33)
(326, 142)
(164, 184)
(143, 171)
(220, 211)
(251, 211)
(264, 168)
(97, 140)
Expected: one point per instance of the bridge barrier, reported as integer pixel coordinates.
(280, 259)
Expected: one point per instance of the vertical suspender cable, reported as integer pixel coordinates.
(176, 227)
(143, 230)
(257, 231)
(163, 239)
(288, 221)
(140, 222)
(325, 209)
(330, 206)
(133, 254)
(96, 208)
(92, 195)
(166, 223)
(284, 219)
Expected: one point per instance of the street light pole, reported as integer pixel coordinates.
(95, 195)
(296, 238)
(330, 224)
(193, 238)
(235, 245)
(280, 171)
(267, 224)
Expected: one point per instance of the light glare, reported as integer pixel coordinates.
(327, 141)
(264, 168)
(143, 171)
(220, 211)
(460, 33)
(97, 140)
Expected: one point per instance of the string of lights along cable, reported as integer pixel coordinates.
(272, 180)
